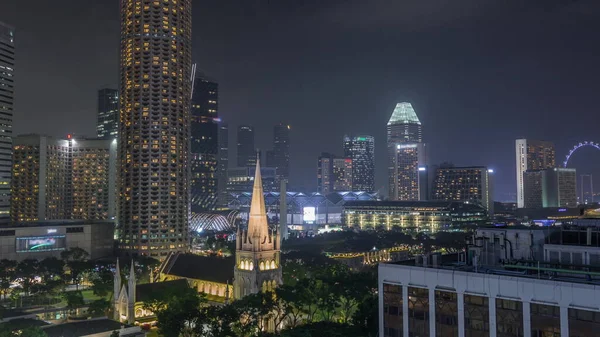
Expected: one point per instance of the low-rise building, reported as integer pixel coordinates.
(40, 240)
(427, 216)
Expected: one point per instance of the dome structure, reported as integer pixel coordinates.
(211, 221)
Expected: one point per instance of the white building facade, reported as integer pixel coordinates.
(419, 301)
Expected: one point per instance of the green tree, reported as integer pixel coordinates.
(102, 282)
(7, 331)
(7, 275)
(77, 262)
(74, 254)
(115, 334)
(98, 307)
(74, 300)
(26, 272)
(180, 313)
(51, 268)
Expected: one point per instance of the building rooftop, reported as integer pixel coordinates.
(143, 291)
(83, 328)
(198, 267)
(404, 114)
(442, 205)
(524, 269)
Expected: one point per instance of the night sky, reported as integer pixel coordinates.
(479, 73)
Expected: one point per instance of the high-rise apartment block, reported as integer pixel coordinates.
(406, 153)
(57, 179)
(223, 163)
(469, 184)
(7, 91)
(108, 113)
(532, 155)
(154, 128)
(204, 143)
(246, 151)
(361, 150)
(554, 187)
(334, 174)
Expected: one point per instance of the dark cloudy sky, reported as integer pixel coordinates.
(479, 73)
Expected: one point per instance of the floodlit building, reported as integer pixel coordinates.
(469, 184)
(7, 91)
(532, 155)
(420, 216)
(154, 128)
(406, 153)
(361, 149)
(63, 179)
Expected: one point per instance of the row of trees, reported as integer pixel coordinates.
(317, 294)
(45, 282)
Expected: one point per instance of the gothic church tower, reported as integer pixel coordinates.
(258, 263)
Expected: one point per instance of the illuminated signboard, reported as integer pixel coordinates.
(309, 214)
(41, 243)
(407, 146)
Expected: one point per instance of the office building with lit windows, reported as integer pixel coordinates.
(454, 299)
(246, 150)
(57, 179)
(241, 180)
(404, 136)
(361, 150)
(470, 184)
(334, 174)
(532, 155)
(108, 113)
(554, 187)
(204, 143)
(223, 164)
(154, 128)
(7, 91)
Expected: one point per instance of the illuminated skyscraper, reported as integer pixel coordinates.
(532, 155)
(205, 143)
(108, 113)
(361, 149)
(406, 153)
(154, 127)
(553, 187)
(246, 151)
(7, 91)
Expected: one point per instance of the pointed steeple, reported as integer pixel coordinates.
(404, 114)
(257, 224)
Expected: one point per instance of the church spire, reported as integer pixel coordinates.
(257, 224)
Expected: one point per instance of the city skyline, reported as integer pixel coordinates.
(492, 77)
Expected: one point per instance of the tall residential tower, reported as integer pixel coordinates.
(154, 126)
(7, 91)
(281, 151)
(406, 153)
(532, 155)
(205, 143)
